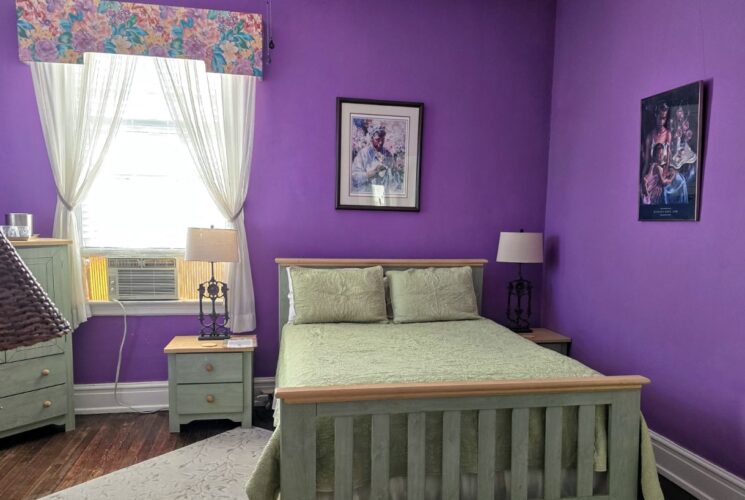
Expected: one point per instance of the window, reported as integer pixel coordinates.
(147, 192)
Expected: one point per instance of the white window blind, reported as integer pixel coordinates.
(148, 190)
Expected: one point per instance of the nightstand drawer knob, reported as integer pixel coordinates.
(46, 404)
(209, 367)
(210, 398)
(45, 372)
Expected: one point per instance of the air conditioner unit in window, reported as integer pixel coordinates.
(135, 278)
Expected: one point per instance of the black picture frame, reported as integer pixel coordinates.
(393, 179)
(670, 154)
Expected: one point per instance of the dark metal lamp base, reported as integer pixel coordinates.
(217, 336)
(522, 330)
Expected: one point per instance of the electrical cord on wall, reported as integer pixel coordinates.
(119, 366)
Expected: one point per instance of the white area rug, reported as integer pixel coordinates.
(217, 467)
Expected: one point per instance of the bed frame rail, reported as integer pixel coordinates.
(300, 407)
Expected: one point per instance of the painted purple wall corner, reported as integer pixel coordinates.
(662, 299)
(483, 70)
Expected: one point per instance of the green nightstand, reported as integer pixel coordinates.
(550, 340)
(207, 380)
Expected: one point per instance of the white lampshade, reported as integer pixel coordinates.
(211, 245)
(522, 248)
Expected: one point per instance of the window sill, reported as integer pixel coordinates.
(146, 308)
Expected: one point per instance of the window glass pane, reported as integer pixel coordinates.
(148, 190)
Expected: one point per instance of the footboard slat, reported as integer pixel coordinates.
(343, 445)
(415, 471)
(585, 450)
(519, 445)
(451, 455)
(380, 455)
(487, 432)
(552, 455)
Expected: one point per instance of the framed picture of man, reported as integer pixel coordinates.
(379, 154)
(670, 156)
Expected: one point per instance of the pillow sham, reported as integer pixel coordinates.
(291, 299)
(433, 294)
(349, 295)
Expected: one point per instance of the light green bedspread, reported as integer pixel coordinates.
(344, 353)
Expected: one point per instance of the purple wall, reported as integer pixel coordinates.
(482, 69)
(662, 299)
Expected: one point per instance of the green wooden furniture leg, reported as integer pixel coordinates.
(623, 445)
(298, 448)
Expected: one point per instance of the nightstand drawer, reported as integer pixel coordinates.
(31, 407)
(209, 398)
(32, 374)
(209, 368)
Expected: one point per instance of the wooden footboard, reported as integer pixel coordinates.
(300, 407)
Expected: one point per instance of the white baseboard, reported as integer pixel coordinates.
(696, 475)
(99, 398)
(140, 396)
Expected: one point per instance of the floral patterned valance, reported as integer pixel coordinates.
(63, 30)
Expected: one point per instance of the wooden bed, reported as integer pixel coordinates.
(301, 406)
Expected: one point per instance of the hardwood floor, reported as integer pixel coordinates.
(40, 462)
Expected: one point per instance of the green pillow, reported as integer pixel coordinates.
(350, 295)
(433, 294)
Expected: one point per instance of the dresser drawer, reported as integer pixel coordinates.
(48, 348)
(209, 398)
(209, 368)
(31, 407)
(32, 374)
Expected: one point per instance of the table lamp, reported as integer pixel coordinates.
(212, 245)
(520, 248)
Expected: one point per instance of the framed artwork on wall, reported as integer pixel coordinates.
(670, 159)
(379, 154)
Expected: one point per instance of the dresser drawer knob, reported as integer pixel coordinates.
(46, 404)
(210, 398)
(45, 372)
(209, 367)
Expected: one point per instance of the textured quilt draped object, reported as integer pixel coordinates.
(344, 354)
(27, 315)
(63, 30)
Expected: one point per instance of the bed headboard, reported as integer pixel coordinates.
(477, 266)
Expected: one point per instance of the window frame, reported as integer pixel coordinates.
(143, 307)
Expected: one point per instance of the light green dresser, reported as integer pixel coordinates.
(36, 381)
(207, 380)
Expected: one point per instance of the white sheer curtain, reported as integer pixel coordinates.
(215, 116)
(80, 106)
